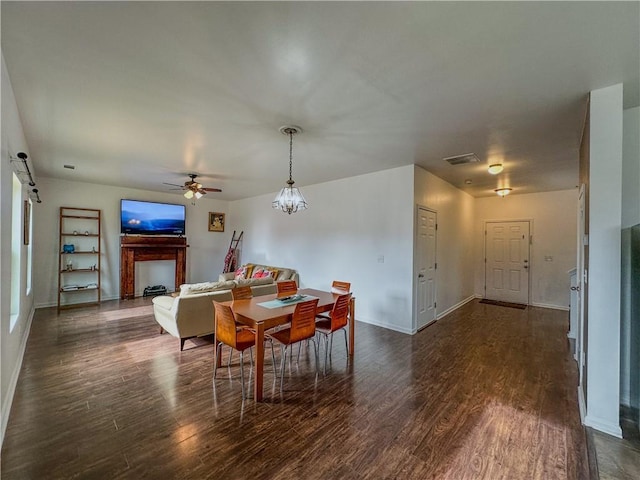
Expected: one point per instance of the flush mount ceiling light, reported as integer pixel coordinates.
(290, 199)
(503, 192)
(495, 169)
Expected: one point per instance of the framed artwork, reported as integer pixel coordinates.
(216, 222)
(26, 222)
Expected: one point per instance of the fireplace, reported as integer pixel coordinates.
(143, 249)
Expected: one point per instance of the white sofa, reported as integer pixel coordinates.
(190, 314)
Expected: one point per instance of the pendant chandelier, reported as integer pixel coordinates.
(290, 199)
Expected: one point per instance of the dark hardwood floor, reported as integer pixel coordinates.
(488, 392)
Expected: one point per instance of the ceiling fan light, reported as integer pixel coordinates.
(503, 192)
(198, 195)
(495, 169)
(188, 194)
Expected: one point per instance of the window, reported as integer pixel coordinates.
(16, 251)
(29, 219)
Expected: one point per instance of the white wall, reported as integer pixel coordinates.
(553, 226)
(12, 343)
(349, 226)
(455, 238)
(629, 318)
(631, 167)
(205, 255)
(605, 221)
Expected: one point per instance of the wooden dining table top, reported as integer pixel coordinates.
(249, 311)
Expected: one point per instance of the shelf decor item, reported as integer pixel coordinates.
(79, 262)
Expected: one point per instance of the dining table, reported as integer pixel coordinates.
(253, 313)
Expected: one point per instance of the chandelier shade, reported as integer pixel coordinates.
(290, 199)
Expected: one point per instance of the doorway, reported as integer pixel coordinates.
(427, 228)
(507, 261)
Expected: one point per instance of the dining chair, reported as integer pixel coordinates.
(337, 320)
(287, 287)
(302, 327)
(241, 293)
(228, 332)
(340, 287)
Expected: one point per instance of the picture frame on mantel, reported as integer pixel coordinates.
(216, 222)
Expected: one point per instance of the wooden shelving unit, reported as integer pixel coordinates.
(79, 258)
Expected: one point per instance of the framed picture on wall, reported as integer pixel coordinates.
(26, 222)
(216, 222)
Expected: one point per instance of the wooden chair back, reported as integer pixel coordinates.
(226, 331)
(340, 287)
(340, 312)
(286, 288)
(303, 322)
(241, 293)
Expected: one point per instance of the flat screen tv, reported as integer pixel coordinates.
(151, 218)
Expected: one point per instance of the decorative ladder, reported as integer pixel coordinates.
(231, 259)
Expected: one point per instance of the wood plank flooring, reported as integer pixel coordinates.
(486, 393)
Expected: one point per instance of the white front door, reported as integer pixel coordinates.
(426, 290)
(507, 261)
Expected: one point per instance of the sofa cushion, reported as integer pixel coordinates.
(194, 288)
(260, 272)
(223, 277)
(284, 274)
(255, 281)
(163, 301)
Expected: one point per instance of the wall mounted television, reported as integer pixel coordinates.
(151, 218)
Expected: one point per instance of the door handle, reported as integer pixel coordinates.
(576, 288)
(420, 275)
(526, 266)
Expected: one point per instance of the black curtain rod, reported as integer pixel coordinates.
(23, 157)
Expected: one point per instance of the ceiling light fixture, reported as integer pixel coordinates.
(290, 199)
(503, 192)
(495, 169)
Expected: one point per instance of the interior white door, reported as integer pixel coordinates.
(507, 261)
(426, 285)
(580, 279)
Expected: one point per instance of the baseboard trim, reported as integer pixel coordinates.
(603, 425)
(581, 404)
(55, 304)
(456, 306)
(554, 307)
(388, 326)
(13, 382)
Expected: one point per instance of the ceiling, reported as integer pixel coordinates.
(140, 93)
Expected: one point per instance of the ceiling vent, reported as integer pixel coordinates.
(462, 159)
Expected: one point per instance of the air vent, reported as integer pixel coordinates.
(462, 159)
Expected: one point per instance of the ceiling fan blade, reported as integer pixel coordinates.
(212, 189)
(172, 184)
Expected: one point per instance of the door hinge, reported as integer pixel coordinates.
(436, 266)
(485, 260)
(436, 227)
(434, 304)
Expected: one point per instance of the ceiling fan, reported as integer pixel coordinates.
(192, 188)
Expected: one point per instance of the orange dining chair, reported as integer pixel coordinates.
(241, 293)
(340, 287)
(287, 287)
(303, 327)
(228, 332)
(337, 320)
